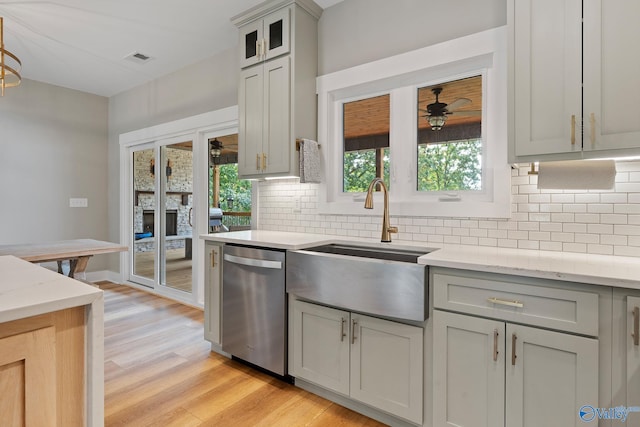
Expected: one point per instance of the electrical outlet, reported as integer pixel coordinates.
(296, 204)
(78, 203)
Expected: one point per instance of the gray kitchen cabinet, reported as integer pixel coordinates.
(213, 292)
(374, 361)
(626, 351)
(276, 95)
(264, 38)
(571, 81)
(491, 370)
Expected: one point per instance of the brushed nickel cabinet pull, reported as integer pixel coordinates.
(264, 161)
(573, 129)
(495, 345)
(342, 334)
(513, 349)
(257, 161)
(592, 122)
(636, 326)
(510, 303)
(354, 326)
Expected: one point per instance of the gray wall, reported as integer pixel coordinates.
(205, 86)
(355, 32)
(350, 33)
(54, 147)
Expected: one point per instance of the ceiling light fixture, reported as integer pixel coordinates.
(10, 65)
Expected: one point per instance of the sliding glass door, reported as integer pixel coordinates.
(162, 215)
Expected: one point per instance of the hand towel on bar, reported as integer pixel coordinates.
(309, 161)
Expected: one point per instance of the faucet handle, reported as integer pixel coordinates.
(392, 229)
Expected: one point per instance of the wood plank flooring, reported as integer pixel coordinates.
(178, 268)
(159, 371)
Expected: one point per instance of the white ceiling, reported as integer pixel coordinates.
(82, 44)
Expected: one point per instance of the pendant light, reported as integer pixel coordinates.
(10, 65)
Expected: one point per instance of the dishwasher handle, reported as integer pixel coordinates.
(252, 262)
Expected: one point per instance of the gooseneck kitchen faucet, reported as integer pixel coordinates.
(368, 204)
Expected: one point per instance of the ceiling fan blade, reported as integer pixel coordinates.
(458, 103)
(472, 113)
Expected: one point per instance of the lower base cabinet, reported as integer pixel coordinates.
(374, 361)
(213, 293)
(493, 373)
(42, 378)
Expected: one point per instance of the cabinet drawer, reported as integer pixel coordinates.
(562, 309)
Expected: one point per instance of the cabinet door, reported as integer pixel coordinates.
(387, 366)
(320, 341)
(212, 293)
(547, 75)
(277, 142)
(251, 39)
(28, 378)
(276, 34)
(633, 352)
(250, 109)
(550, 376)
(611, 84)
(468, 371)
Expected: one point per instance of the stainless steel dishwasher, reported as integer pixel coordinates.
(254, 306)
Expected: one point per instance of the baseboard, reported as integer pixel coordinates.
(104, 275)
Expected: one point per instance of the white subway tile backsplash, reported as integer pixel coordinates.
(598, 222)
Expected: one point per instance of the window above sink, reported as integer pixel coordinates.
(373, 120)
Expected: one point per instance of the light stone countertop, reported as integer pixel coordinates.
(607, 270)
(29, 290)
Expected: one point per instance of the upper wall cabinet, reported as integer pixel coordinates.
(572, 84)
(265, 38)
(276, 102)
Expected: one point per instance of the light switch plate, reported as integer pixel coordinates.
(78, 203)
(296, 204)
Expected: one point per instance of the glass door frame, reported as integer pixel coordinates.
(197, 129)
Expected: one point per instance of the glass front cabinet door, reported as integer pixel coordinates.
(264, 39)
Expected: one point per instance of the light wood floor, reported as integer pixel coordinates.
(159, 371)
(177, 266)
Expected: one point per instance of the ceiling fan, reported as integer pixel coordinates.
(437, 112)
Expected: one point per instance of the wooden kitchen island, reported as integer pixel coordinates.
(51, 348)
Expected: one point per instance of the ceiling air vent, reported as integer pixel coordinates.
(138, 57)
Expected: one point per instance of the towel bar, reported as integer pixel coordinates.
(298, 142)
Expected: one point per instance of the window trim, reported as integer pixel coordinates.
(483, 54)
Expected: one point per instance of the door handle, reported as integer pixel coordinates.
(573, 129)
(354, 327)
(252, 262)
(509, 303)
(636, 325)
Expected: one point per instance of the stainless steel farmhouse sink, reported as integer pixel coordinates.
(382, 281)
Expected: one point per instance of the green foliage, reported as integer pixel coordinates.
(360, 170)
(450, 166)
(232, 187)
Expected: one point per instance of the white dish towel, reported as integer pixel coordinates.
(309, 161)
